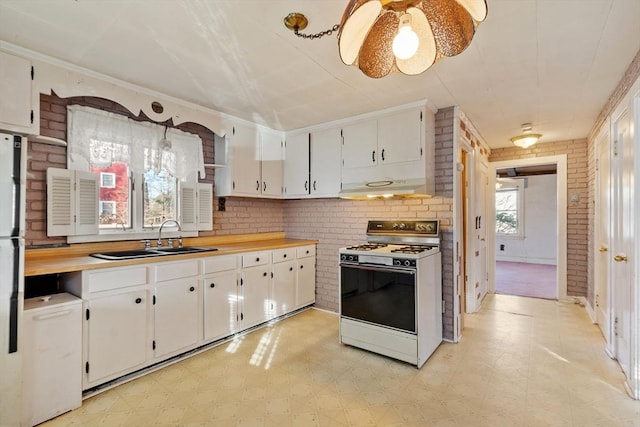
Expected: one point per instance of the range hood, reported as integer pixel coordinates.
(386, 189)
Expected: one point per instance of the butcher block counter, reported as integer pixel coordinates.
(76, 257)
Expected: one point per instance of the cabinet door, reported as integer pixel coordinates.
(296, 165)
(400, 137)
(16, 100)
(256, 304)
(117, 334)
(220, 304)
(271, 157)
(360, 145)
(176, 316)
(245, 161)
(325, 163)
(283, 295)
(306, 281)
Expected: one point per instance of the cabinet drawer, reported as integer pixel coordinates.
(256, 258)
(116, 278)
(219, 263)
(286, 254)
(305, 251)
(176, 270)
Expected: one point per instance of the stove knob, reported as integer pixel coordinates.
(407, 262)
(402, 226)
(397, 262)
(395, 226)
(343, 257)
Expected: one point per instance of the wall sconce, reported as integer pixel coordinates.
(527, 139)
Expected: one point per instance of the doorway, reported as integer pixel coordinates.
(525, 227)
(515, 176)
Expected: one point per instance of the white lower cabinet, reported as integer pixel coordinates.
(137, 316)
(116, 339)
(305, 276)
(176, 316)
(255, 299)
(220, 304)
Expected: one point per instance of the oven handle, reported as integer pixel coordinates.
(376, 268)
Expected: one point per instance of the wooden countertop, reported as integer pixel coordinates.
(76, 257)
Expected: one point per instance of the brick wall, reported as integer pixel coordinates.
(336, 223)
(577, 212)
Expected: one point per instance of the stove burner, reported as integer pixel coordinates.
(367, 247)
(412, 249)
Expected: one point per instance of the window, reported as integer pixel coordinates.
(107, 180)
(142, 169)
(509, 216)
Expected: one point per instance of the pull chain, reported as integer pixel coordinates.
(317, 35)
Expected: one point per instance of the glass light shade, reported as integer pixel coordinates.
(526, 140)
(406, 42)
(369, 28)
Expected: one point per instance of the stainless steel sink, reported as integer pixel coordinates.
(148, 253)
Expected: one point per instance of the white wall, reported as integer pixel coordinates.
(540, 228)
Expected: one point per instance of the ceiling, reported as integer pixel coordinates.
(553, 63)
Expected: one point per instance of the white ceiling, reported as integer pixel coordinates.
(550, 62)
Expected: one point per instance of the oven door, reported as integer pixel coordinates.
(384, 296)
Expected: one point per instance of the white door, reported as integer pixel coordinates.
(117, 334)
(176, 316)
(622, 244)
(480, 270)
(602, 232)
(220, 304)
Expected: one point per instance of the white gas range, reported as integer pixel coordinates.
(391, 290)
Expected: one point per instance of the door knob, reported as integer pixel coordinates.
(620, 258)
(603, 249)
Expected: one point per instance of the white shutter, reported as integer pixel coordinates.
(188, 205)
(60, 202)
(87, 193)
(205, 207)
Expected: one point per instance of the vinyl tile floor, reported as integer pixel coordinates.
(521, 362)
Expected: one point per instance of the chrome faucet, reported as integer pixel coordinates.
(159, 244)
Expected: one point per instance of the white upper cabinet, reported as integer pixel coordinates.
(253, 161)
(296, 166)
(360, 145)
(272, 164)
(325, 163)
(312, 164)
(390, 147)
(19, 109)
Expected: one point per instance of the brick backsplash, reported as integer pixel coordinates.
(577, 212)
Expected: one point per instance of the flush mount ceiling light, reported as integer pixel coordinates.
(527, 139)
(408, 36)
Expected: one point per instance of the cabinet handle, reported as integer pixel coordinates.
(264, 185)
(138, 300)
(306, 186)
(382, 154)
(314, 185)
(191, 289)
(257, 185)
(373, 156)
(264, 274)
(213, 285)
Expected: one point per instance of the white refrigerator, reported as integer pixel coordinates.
(12, 210)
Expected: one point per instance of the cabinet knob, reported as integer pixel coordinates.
(301, 267)
(257, 259)
(138, 300)
(284, 256)
(290, 268)
(213, 285)
(191, 289)
(307, 250)
(264, 274)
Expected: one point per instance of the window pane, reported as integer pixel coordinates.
(114, 198)
(507, 211)
(159, 196)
